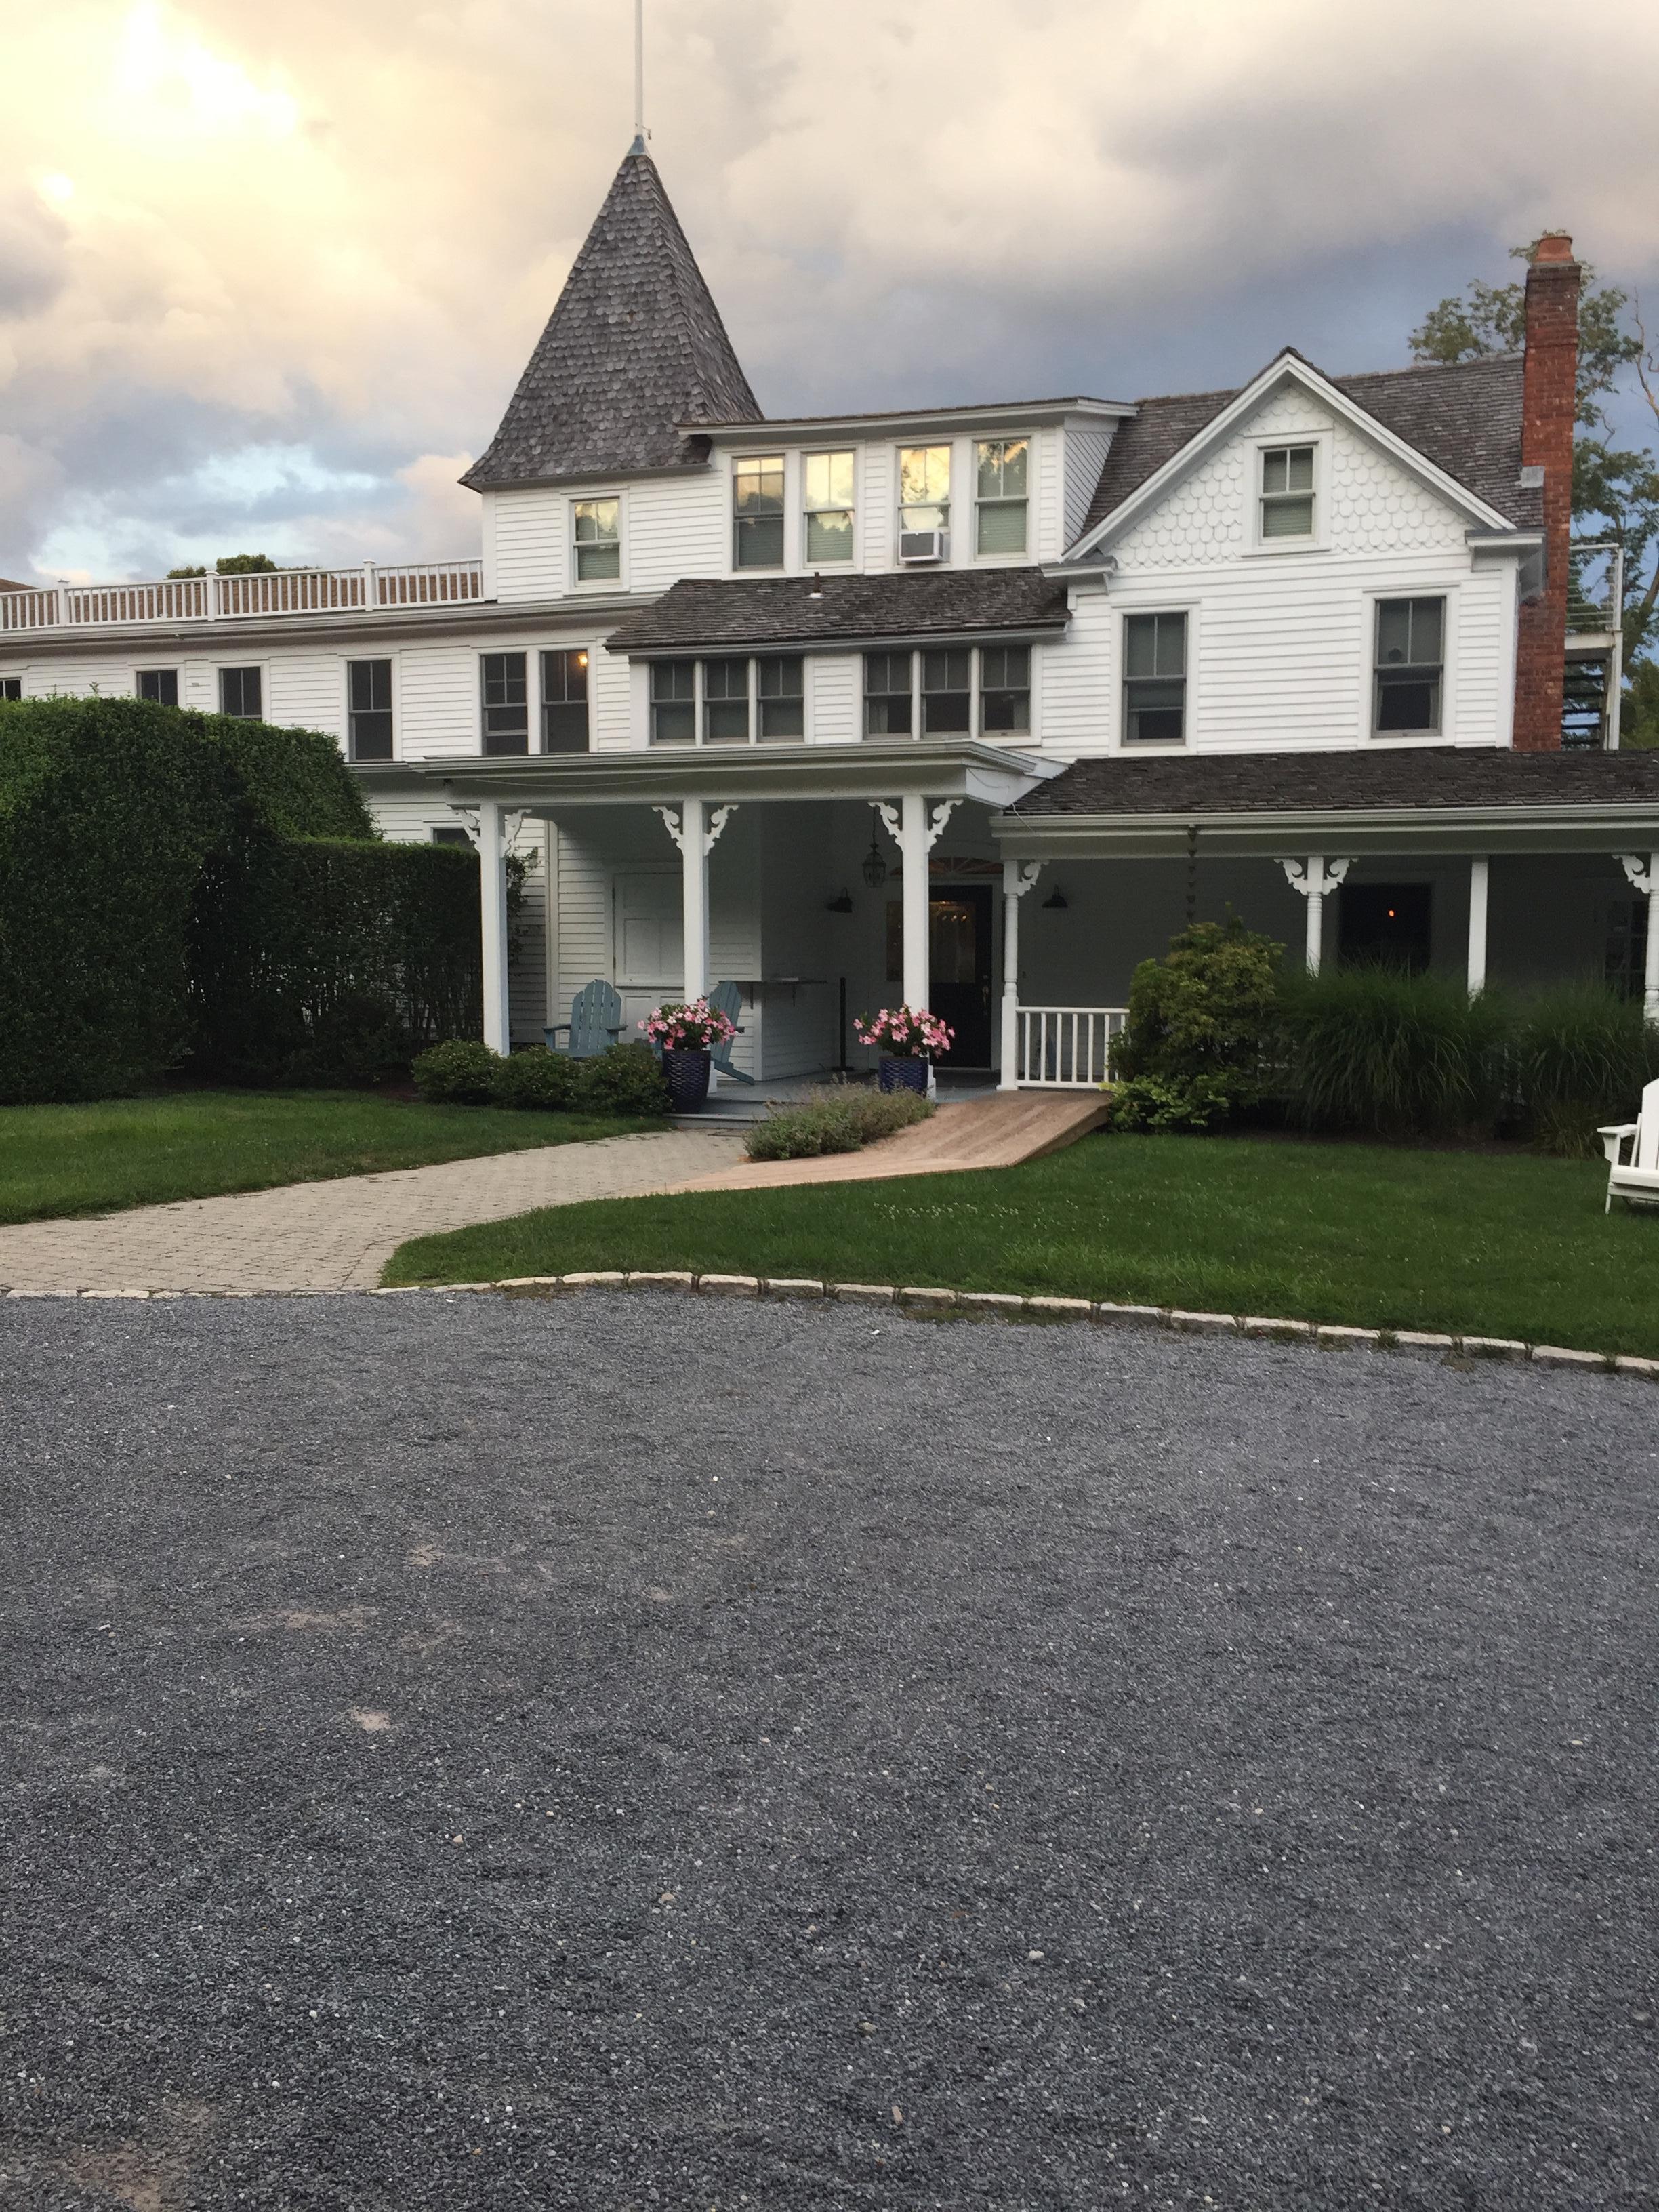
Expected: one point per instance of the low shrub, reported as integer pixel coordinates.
(1199, 1042)
(842, 1120)
(536, 1079)
(461, 1072)
(1376, 1050)
(1578, 1056)
(627, 1079)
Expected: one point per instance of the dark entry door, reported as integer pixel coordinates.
(1385, 926)
(959, 963)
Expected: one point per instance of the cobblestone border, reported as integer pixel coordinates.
(924, 1303)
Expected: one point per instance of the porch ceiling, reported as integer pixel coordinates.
(544, 785)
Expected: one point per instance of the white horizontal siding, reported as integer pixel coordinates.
(437, 702)
(528, 529)
(306, 692)
(834, 697)
(616, 716)
(1076, 676)
(675, 528)
(1046, 526)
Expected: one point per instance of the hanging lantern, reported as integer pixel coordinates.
(875, 868)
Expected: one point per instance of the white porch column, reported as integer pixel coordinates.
(492, 905)
(695, 831)
(1642, 871)
(1477, 874)
(1313, 876)
(1017, 878)
(916, 832)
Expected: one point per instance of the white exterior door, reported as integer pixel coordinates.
(648, 920)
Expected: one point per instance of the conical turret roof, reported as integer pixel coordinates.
(635, 348)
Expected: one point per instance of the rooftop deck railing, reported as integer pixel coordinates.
(272, 592)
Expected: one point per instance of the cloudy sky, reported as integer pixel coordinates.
(268, 272)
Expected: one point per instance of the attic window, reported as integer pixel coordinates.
(1287, 491)
(597, 525)
(758, 512)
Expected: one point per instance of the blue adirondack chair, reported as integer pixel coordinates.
(595, 1023)
(727, 999)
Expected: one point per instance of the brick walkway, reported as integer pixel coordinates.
(335, 1235)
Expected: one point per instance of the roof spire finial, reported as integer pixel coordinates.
(638, 146)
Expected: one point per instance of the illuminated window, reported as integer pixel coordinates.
(925, 487)
(598, 527)
(827, 481)
(1002, 467)
(757, 512)
(564, 702)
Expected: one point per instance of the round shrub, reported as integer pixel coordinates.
(627, 1079)
(536, 1079)
(1198, 1047)
(461, 1072)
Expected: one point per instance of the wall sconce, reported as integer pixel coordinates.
(841, 904)
(874, 870)
(1056, 902)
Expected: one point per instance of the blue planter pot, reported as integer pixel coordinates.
(904, 1074)
(686, 1075)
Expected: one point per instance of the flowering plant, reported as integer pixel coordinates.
(905, 1032)
(690, 1027)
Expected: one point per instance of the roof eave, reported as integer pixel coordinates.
(1000, 412)
(1592, 826)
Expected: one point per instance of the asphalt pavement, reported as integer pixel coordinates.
(637, 1752)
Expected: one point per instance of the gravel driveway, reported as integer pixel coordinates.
(638, 1753)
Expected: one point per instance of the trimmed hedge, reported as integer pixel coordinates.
(626, 1079)
(174, 884)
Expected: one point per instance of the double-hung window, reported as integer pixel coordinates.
(451, 834)
(725, 702)
(1154, 679)
(924, 487)
(1287, 491)
(506, 702)
(241, 693)
(368, 706)
(1410, 665)
(596, 529)
(161, 685)
(947, 691)
(758, 512)
(887, 695)
(673, 702)
(1003, 467)
(11, 687)
(780, 687)
(564, 702)
(828, 498)
(1004, 677)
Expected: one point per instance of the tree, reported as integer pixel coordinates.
(232, 564)
(1616, 490)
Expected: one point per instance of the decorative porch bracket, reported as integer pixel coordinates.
(1017, 878)
(916, 832)
(695, 832)
(1313, 876)
(1642, 873)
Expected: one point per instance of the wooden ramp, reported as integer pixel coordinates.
(986, 1133)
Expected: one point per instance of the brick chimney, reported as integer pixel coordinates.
(1549, 404)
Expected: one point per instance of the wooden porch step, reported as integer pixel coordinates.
(984, 1132)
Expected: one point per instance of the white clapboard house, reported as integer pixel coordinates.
(969, 705)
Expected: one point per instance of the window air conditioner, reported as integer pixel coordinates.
(921, 545)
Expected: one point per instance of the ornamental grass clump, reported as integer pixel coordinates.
(1578, 1055)
(840, 1119)
(1199, 1043)
(1375, 1050)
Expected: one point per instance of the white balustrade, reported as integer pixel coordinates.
(265, 592)
(1065, 1047)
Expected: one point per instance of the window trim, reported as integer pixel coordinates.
(1369, 733)
(810, 562)
(346, 665)
(1028, 501)
(746, 459)
(597, 584)
(219, 669)
(11, 676)
(701, 701)
(1262, 443)
(175, 669)
(975, 649)
(499, 653)
(1121, 741)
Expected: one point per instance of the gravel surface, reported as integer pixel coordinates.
(635, 1752)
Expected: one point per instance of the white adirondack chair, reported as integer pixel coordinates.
(1636, 1180)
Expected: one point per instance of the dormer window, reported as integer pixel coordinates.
(1002, 469)
(924, 490)
(1287, 491)
(597, 525)
(758, 512)
(827, 496)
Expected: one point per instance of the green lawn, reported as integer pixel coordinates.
(197, 1144)
(1480, 1244)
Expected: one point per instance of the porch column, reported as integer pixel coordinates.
(1313, 876)
(492, 900)
(695, 831)
(1642, 871)
(916, 832)
(1477, 873)
(1017, 878)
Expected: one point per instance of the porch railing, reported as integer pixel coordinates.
(230, 599)
(1065, 1047)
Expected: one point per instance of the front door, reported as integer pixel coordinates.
(959, 963)
(648, 922)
